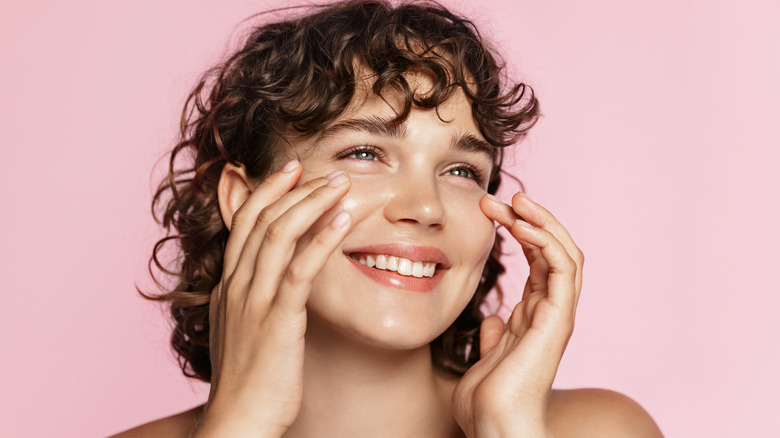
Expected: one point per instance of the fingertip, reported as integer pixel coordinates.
(520, 196)
(338, 178)
(494, 321)
(289, 176)
(498, 211)
(489, 197)
(291, 166)
(341, 220)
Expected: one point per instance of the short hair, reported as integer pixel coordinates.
(299, 74)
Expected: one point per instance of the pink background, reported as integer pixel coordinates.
(655, 150)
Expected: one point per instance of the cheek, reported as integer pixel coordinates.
(365, 196)
(475, 232)
(362, 199)
(482, 235)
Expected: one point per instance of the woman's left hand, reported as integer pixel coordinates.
(506, 392)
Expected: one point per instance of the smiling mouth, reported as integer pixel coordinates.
(399, 265)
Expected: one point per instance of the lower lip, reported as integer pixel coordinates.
(393, 279)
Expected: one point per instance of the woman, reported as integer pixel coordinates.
(337, 237)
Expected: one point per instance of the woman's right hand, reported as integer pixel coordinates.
(257, 313)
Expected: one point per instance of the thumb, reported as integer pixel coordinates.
(490, 333)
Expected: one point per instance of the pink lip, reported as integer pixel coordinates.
(411, 252)
(407, 251)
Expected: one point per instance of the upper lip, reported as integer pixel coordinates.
(408, 251)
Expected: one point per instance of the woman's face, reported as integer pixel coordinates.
(414, 202)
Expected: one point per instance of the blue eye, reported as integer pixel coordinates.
(467, 172)
(364, 155)
(361, 153)
(463, 172)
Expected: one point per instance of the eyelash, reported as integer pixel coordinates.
(362, 149)
(476, 175)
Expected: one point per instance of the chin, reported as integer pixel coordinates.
(401, 330)
(386, 331)
(347, 305)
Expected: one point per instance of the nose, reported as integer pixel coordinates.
(415, 199)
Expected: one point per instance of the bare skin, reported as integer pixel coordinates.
(291, 285)
(580, 413)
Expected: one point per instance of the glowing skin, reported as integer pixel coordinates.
(411, 190)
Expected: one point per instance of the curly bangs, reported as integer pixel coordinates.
(301, 74)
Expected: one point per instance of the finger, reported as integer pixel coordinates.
(245, 267)
(282, 235)
(490, 333)
(506, 216)
(525, 209)
(216, 318)
(562, 268)
(498, 211)
(539, 216)
(271, 189)
(539, 270)
(296, 284)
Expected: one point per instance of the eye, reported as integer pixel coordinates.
(463, 172)
(468, 172)
(362, 153)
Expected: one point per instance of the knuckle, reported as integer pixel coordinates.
(297, 275)
(571, 264)
(321, 239)
(238, 219)
(275, 232)
(318, 193)
(567, 265)
(265, 217)
(579, 256)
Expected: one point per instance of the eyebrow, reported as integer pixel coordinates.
(387, 127)
(383, 127)
(470, 143)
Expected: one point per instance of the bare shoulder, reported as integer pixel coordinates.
(175, 426)
(598, 413)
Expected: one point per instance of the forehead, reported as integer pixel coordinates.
(422, 85)
(377, 115)
(455, 110)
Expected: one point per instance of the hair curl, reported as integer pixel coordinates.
(300, 74)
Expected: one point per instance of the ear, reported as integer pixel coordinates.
(232, 191)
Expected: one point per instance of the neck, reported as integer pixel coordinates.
(352, 389)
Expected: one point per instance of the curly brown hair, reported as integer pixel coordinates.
(300, 74)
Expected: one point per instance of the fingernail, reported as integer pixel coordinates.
(525, 196)
(523, 223)
(338, 180)
(340, 221)
(334, 174)
(493, 198)
(290, 166)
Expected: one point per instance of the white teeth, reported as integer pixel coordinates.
(404, 266)
(417, 269)
(392, 263)
(399, 264)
